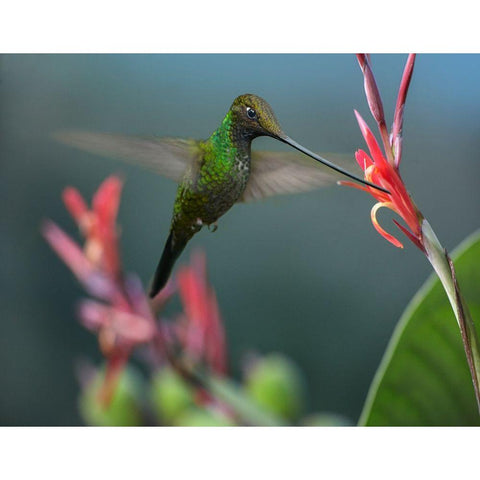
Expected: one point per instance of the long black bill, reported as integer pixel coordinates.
(318, 158)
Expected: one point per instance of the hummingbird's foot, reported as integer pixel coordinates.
(197, 226)
(213, 227)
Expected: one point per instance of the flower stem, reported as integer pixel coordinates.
(231, 394)
(444, 268)
(223, 390)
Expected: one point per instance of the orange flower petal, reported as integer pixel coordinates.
(353, 185)
(379, 229)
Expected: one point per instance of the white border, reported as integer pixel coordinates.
(238, 453)
(219, 26)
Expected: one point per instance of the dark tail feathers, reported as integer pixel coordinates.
(171, 252)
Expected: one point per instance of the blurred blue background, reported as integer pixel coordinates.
(306, 275)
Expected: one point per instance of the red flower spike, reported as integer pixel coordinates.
(373, 146)
(107, 200)
(201, 331)
(125, 320)
(105, 206)
(380, 171)
(371, 90)
(396, 137)
(98, 224)
(375, 102)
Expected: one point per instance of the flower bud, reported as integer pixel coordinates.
(123, 409)
(277, 384)
(170, 395)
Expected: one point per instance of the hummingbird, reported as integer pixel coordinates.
(215, 173)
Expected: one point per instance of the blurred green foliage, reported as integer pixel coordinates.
(274, 386)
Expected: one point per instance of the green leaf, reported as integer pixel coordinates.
(423, 378)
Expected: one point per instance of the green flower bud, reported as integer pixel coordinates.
(170, 395)
(277, 384)
(124, 408)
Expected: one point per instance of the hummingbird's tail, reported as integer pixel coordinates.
(171, 252)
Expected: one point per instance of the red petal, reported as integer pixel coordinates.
(353, 185)
(371, 90)
(68, 251)
(95, 282)
(379, 229)
(107, 199)
(204, 335)
(192, 293)
(363, 159)
(399, 108)
(216, 346)
(75, 204)
(373, 146)
(93, 315)
(194, 302)
(416, 241)
(131, 327)
(105, 204)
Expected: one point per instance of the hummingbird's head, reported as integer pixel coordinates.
(256, 117)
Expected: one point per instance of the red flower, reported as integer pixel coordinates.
(200, 329)
(125, 320)
(384, 171)
(98, 225)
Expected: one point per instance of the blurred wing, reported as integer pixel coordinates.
(276, 173)
(165, 156)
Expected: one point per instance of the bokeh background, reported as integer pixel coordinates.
(305, 275)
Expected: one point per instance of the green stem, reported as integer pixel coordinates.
(224, 390)
(230, 393)
(443, 266)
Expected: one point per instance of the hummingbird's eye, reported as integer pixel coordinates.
(251, 113)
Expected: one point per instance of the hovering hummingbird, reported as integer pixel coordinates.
(216, 173)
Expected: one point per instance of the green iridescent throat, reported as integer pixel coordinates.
(224, 142)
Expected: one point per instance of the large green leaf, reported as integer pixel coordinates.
(423, 378)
